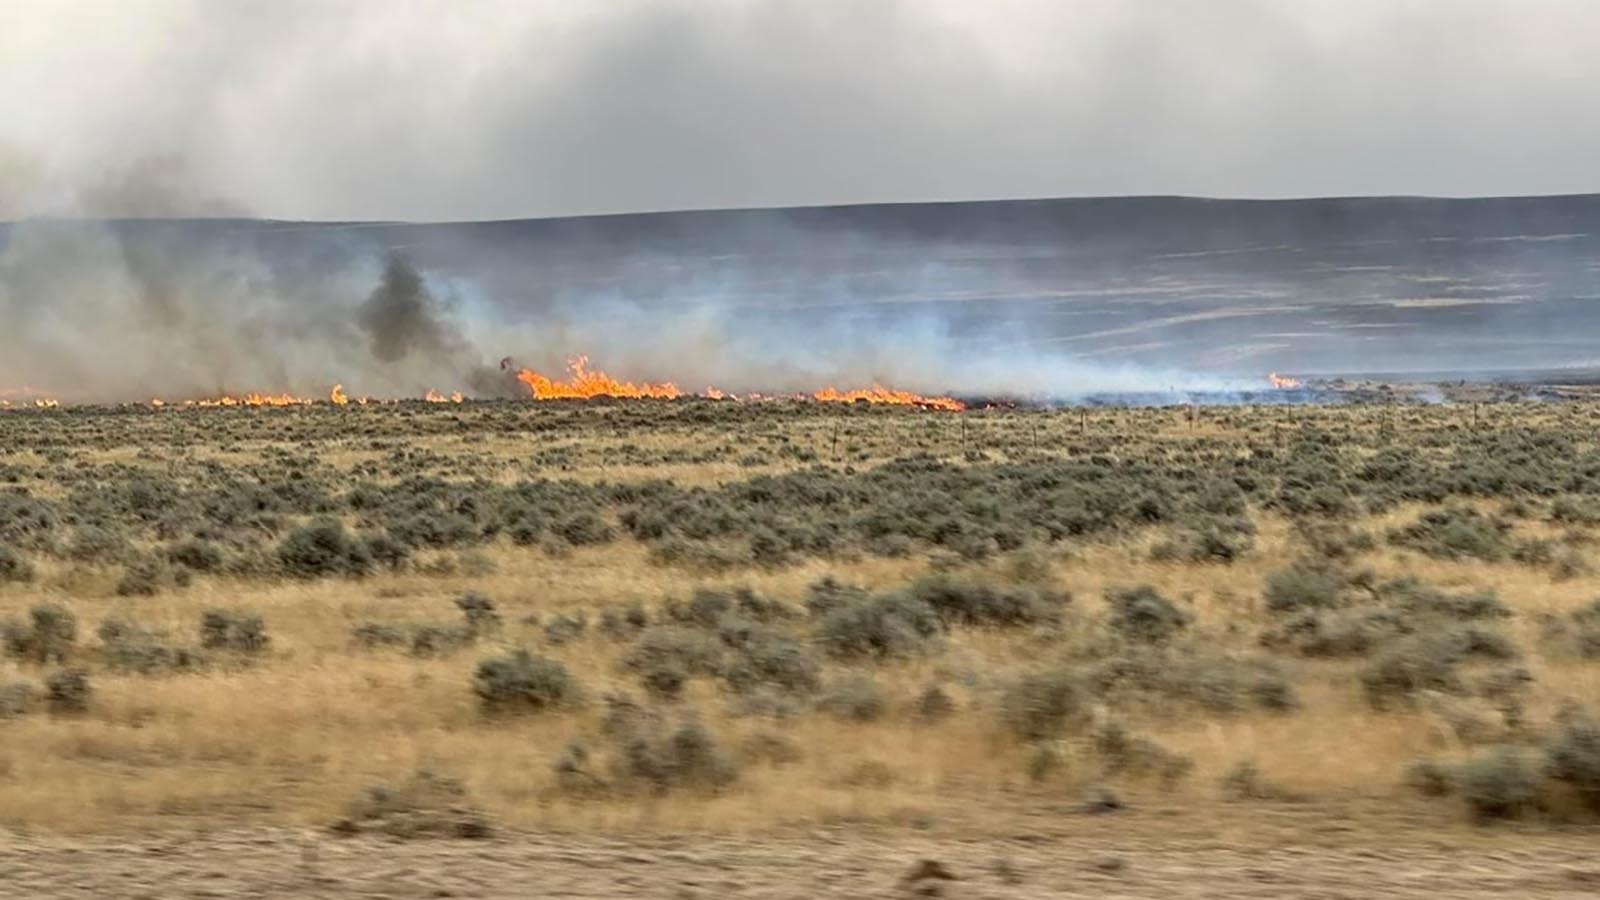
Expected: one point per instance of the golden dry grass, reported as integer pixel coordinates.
(291, 738)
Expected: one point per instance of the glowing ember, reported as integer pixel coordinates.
(880, 394)
(1282, 383)
(584, 384)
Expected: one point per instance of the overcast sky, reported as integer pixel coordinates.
(464, 110)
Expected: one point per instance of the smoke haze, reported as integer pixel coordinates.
(123, 120)
(1060, 298)
(431, 110)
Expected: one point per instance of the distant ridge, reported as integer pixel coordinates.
(1221, 285)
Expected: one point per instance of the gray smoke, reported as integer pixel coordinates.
(123, 311)
(302, 108)
(401, 317)
(101, 312)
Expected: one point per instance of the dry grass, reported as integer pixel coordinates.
(291, 737)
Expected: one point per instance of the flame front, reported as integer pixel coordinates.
(253, 399)
(582, 383)
(1284, 383)
(250, 399)
(880, 394)
(27, 397)
(585, 384)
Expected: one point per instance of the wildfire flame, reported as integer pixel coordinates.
(252, 399)
(880, 394)
(26, 397)
(1283, 383)
(582, 383)
(586, 384)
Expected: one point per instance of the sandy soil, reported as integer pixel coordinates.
(1265, 852)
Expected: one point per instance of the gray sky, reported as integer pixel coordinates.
(465, 110)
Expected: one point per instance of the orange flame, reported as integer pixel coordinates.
(336, 396)
(25, 397)
(880, 394)
(1283, 383)
(250, 399)
(585, 384)
(255, 399)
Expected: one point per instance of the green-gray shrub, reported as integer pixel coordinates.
(479, 611)
(1573, 758)
(1305, 586)
(1398, 674)
(565, 627)
(48, 635)
(324, 548)
(520, 682)
(17, 698)
(889, 625)
(1141, 614)
(855, 698)
(1044, 704)
(14, 566)
(970, 603)
(1502, 783)
(686, 756)
(67, 691)
(227, 629)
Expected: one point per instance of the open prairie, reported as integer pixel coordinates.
(1053, 649)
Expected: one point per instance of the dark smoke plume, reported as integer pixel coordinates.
(401, 316)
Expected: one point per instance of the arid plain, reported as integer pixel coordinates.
(698, 647)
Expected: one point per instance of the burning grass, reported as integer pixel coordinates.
(788, 612)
